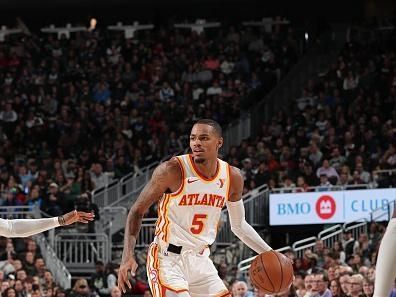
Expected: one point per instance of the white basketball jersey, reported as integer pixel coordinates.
(190, 216)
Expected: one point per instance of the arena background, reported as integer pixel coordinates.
(315, 19)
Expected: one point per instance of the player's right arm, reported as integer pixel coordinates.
(29, 227)
(236, 212)
(166, 176)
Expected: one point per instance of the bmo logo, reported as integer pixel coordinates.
(306, 208)
(325, 207)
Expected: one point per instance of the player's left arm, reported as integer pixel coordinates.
(385, 267)
(236, 211)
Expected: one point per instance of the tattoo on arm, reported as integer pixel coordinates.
(162, 177)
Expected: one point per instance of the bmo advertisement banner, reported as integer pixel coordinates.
(327, 207)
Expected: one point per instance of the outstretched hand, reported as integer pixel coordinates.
(78, 216)
(129, 265)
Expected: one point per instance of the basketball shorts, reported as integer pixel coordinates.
(189, 271)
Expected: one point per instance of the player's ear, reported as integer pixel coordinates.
(220, 143)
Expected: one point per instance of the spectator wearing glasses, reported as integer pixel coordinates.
(356, 285)
(319, 286)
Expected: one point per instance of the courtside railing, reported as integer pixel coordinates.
(59, 271)
(321, 188)
(328, 236)
(112, 219)
(79, 251)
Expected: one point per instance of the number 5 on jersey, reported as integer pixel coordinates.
(198, 223)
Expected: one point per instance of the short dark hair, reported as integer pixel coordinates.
(216, 126)
(325, 276)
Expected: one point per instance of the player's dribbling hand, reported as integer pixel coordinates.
(78, 216)
(123, 277)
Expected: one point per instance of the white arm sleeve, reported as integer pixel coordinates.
(385, 270)
(26, 227)
(243, 230)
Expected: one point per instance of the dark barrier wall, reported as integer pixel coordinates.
(155, 9)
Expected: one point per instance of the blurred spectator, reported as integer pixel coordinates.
(19, 289)
(11, 198)
(223, 273)
(345, 285)
(7, 258)
(349, 244)
(49, 282)
(9, 292)
(98, 177)
(319, 250)
(84, 203)
(240, 289)
(53, 204)
(81, 289)
(339, 249)
(103, 280)
(335, 288)
(356, 285)
(28, 263)
(324, 183)
(115, 292)
(308, 283)
(374, 234)
(368, 288)
(320, 286)
(39, 265)
(327, 170)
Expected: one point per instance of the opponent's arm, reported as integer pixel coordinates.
(29, 227)
(236, 212)
(164, 176)
(385, 269)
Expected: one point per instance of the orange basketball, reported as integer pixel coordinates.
(271, 272)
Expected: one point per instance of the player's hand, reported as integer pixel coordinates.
(130, 265)
(78, 216)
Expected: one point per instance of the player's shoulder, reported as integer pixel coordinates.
(236, 183)
(235, 173)
(170, 168)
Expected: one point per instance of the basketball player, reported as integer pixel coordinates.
(191, 190)
(385, 270)
(28, 227)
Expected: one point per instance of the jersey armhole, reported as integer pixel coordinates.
(229, 182)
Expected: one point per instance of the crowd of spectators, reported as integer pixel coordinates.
(340, 132)
(76, 113)
(23, 273)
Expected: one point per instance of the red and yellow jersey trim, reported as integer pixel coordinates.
(199, 174)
